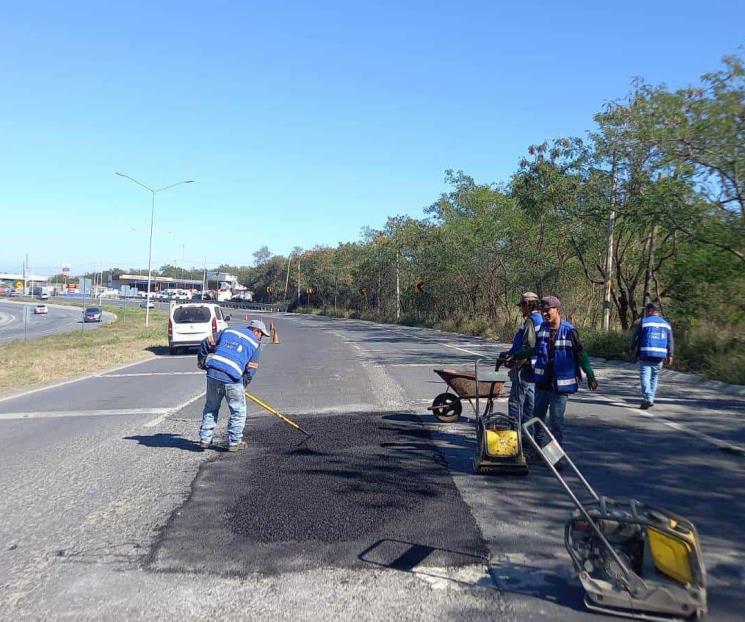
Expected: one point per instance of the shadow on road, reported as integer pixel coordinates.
(167, 440)
(159, 350)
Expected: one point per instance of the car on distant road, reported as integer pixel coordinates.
(190, 323)
(12, 293)
(92, 314)
(43, 296)
(41, 310)
(147, 305)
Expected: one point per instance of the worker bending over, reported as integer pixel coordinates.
(231, 357)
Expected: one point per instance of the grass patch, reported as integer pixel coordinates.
(714, 352)
(27, 364)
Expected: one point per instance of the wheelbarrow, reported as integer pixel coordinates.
(466, 385)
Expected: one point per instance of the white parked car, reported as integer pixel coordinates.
(145, 304)
(41, 310)
(190, 323)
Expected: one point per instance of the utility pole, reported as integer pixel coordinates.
(609, 255)
(153, 192)
(204, 277)
(287, 280)
(398, 287)
(25, 268)
(298, 278)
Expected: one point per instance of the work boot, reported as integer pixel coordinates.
(205, 444)
(238, 446)
(645, 405)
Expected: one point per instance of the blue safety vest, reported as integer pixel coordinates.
(655, 338)
(235, 350)
(564, 364)
(517, 340)
(517, 344)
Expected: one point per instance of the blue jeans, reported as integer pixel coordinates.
(649, 373)
(555, 404)
(522, 397)
(216, 390)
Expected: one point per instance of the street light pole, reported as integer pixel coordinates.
(152, 223)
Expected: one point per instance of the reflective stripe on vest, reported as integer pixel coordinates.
(226, 361)
(241, 335)
(234, 349)
(564, 363)
(655, 337)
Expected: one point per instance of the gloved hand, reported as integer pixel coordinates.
(592, 384)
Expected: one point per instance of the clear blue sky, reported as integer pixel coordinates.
(301, 122)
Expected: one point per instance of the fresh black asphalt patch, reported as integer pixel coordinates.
(368, 490)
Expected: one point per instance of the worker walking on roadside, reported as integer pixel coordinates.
(653, 345)
(559, 356)
(522, 391)
(231, 358)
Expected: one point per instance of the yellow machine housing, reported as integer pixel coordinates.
(501, 443)
(671, 555)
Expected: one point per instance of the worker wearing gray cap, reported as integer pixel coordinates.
(522, 390)
(231, 358)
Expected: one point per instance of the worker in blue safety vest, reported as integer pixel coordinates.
(559, 357)
(653, 345)
(522, 390)
(231, 357)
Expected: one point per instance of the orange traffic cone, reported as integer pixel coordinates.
(275, 334)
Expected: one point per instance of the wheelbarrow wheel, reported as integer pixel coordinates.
(447, 407)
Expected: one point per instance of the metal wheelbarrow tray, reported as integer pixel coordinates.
(472, 386)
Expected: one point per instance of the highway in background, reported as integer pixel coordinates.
(18, 321)
(111, 511)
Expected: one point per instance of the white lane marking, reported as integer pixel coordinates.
(720, 444)
(433, 365)
(6, 318)
(447, 345)
(153, 373)
(66, 382)
(106, 412)
(157, 420)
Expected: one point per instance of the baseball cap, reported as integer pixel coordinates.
(653, 306)
(550, 302)
(528, 297)
(259, 325)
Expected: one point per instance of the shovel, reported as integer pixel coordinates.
(276, 413)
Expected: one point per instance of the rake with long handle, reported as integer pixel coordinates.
(276, 413)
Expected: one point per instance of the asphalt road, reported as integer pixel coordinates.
(60, 319)
(111, 510)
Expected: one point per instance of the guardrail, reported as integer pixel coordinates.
(279, 307)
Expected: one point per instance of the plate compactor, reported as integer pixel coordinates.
(499, 444)
(633, 560)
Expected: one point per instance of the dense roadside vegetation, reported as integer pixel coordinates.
(667, 167)
(26, 364)
(670, 167)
